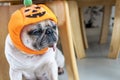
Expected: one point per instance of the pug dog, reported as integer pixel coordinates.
(32, 66)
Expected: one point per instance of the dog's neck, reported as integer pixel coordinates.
(50, 49)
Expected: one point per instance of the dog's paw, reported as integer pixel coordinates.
(60, 70)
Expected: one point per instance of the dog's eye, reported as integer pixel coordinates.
(54, 27)
(39, 25)
(35, 32)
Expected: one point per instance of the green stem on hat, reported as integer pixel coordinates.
(27, 2)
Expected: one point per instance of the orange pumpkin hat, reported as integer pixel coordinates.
(25, 16)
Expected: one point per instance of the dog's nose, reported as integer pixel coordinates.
(49, 31)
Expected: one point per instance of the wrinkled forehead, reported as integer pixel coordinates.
(41, 24)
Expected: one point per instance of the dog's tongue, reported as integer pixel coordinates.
(52, 46)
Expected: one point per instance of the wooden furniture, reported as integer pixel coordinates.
(4, 16)
(62, 11)
(106, 15)
(12, 1)
(115, 41)
(105, 23)
(78, 31)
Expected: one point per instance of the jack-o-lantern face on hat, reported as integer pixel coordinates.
(34, 12)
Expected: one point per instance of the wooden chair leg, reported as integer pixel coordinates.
(61, 9)
(67, 45)
(105, 26)
(4, 67)
(115, 42)
(85, 41)
(76, 30)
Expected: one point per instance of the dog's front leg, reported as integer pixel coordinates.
(53, 71)
(15, 74)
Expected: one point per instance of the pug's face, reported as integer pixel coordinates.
(40, 35)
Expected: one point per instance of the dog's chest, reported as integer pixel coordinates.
(30, 62)
(19, 60)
